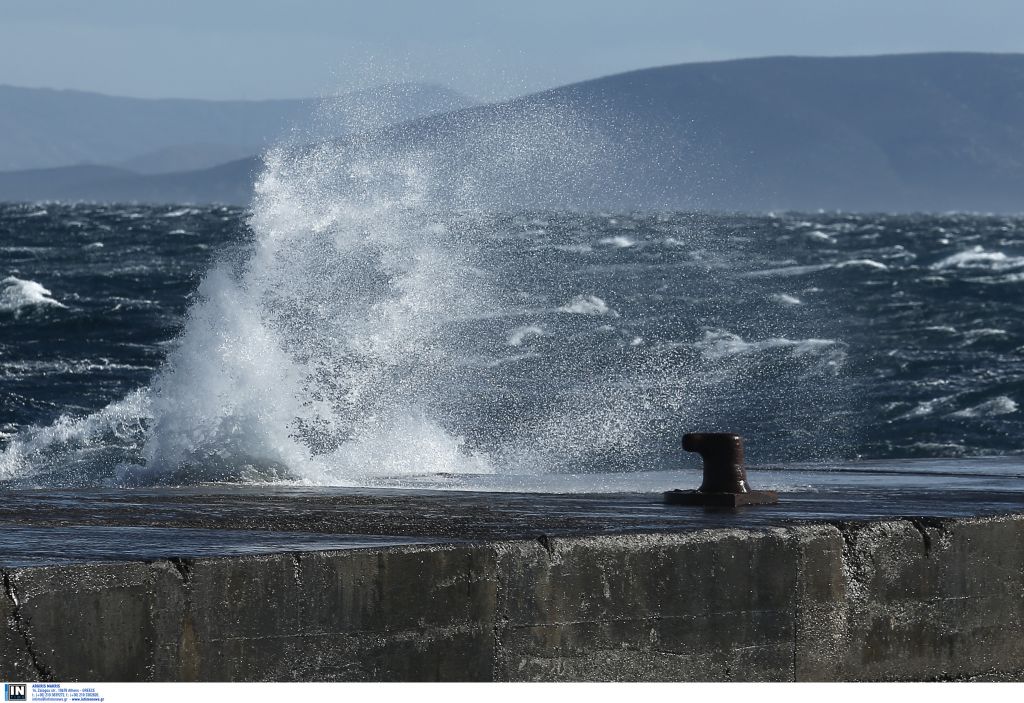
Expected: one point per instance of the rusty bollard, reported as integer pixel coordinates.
(725, 479)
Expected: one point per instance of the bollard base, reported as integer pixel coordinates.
(721, 500)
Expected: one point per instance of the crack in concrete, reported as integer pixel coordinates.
(922, 529)
(21, 627)
(184, 569)
(924, 524)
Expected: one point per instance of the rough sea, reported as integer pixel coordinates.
(355, 344)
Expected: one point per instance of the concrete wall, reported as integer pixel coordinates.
(888, 600)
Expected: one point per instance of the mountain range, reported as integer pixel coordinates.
(914, 132)
(43, 128)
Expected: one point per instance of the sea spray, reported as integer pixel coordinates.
(319, 360)
(395, 312)
(335, 352)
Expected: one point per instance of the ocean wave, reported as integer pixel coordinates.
(862, 264)
(978, 257)
(974, 336)
(950, 449)
(786, 299)
(868, 264)
(18, 294)
(818, 235)
(588, 305)
(521, 334)
(1001, 405)
(1017, 277)
(181, 212)
(29, 369)
(925, 408)
(572, 248)
(619, 241)
(37, 449)
(720, 344)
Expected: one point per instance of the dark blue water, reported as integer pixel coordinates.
(604, 336)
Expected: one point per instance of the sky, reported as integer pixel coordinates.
(256, 49)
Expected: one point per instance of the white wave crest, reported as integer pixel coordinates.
(820, 236)
(18, 294)
(37, 448)
(587, 305)
(521, 334)
(619, 241)
(868, 264)
(1001, 405)
(979, 258)
(720, 344)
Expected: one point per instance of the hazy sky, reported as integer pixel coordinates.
(293, 48)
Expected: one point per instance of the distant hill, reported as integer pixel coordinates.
(43, 128)
(930, 132)
(185, 157)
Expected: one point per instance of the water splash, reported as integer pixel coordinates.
(331, 352)
(363, 335)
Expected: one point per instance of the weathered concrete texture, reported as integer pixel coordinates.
(884, 600)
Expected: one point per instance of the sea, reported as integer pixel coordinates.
(326, 338)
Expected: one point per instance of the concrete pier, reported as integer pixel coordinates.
(846, 579)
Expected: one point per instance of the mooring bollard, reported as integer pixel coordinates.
(725, 479)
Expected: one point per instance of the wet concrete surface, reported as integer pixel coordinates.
(64, 526)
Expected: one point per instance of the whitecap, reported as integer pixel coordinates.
(587, 305)
(820, 236)
(786, 299)
(974, 335)
(862, 263)
(870, 264)
(181, 212)
(1001, 405)
(979, 258)
(785, 271)
(34, 449)
(19, 293)
(718, 344)
(521, 334)
(927, 407)
(998, 280)
(619, 241)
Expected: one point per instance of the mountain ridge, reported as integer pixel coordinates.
(931, 132)
(49, 128)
